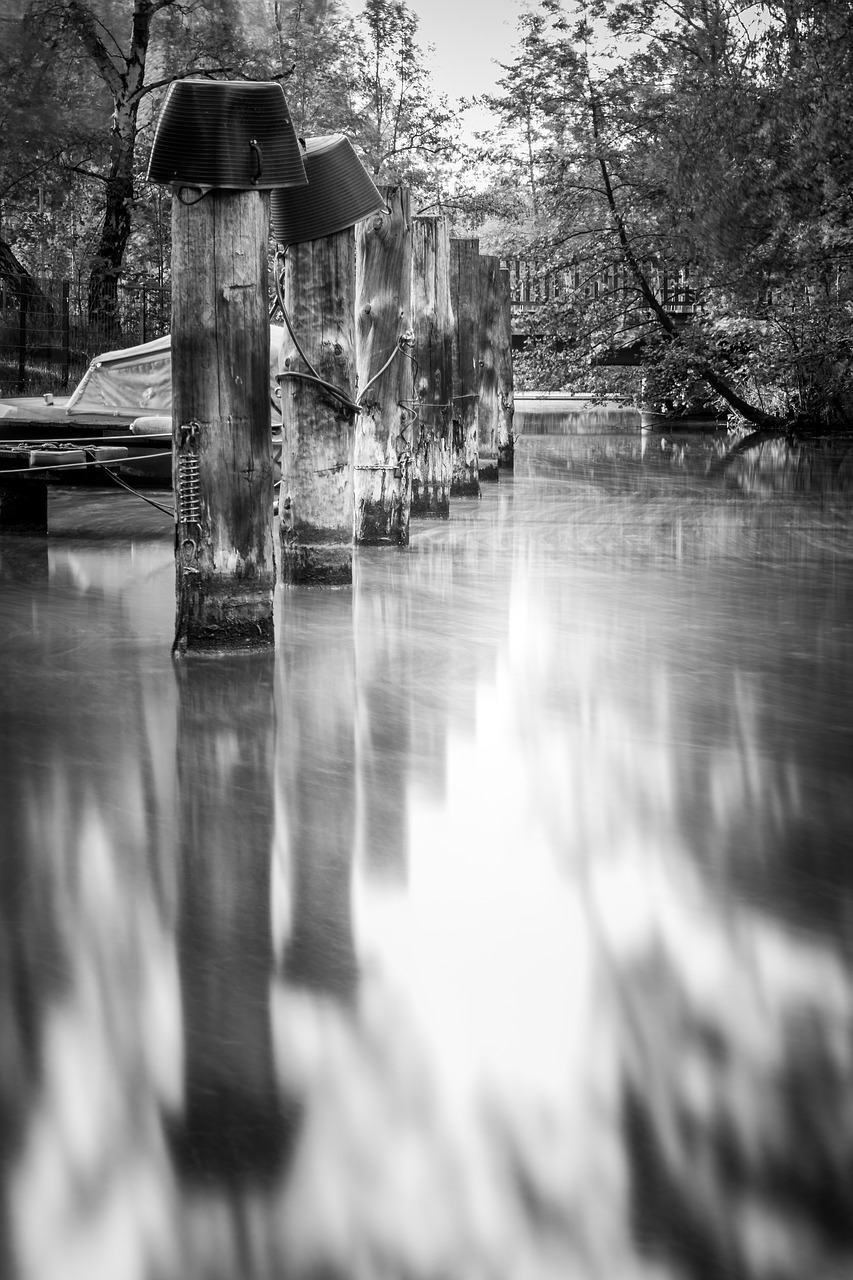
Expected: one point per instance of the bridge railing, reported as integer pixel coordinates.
(531, 285)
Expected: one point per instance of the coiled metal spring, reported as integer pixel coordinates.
(189, 495)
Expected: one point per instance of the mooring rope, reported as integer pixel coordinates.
(104, 466)
(129, 487)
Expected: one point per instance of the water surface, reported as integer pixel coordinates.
(495, 927)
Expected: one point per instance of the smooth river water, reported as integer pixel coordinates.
(498, 926)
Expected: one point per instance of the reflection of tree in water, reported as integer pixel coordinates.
(84, 991)
(738, 1114)
(763, 797)
(685, 797)
(778, 466)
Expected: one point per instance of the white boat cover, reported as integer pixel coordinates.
(137, 381)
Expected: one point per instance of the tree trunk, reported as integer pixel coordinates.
(124, 77)
(701, 368)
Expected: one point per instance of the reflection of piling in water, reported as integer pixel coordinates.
(385, 709)
(234, 1127)
(317, 760)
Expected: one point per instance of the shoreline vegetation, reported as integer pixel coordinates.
(685, 170)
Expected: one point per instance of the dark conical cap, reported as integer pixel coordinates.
(340, 192)
(226, 133)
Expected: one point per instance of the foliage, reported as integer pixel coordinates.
(669, 137)
(73, 194)
(402, 126)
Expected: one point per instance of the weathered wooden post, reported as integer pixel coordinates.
(318, 411)
(488, 409)
(221, 437)
(383, 442)
(464, 273)
(506, 393)
(432, 324)
(318, 360)
(222, 146)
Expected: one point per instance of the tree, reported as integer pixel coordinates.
(706, 145)
(97, 53)
(401, 126)
(72, 183)
(314, 40)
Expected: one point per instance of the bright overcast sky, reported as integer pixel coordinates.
(468, 35)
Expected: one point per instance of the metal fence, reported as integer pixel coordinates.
(47, 338)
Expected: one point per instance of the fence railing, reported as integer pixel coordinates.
(533, 286)
(47, 337)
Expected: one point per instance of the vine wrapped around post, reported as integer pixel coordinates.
(383, 440)
(432, 323)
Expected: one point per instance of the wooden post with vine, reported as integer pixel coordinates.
(432, 325)
(464, 290)
(384, 431)
(317, 376)
(506, 392)
(488, 410)
(222, 446)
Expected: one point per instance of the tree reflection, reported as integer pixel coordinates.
(737, 1115)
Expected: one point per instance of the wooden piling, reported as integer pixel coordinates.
(316, 494)
(506, 393)
(488, 409)
(432, 325)
(464, 273)
(222, 446)
(383, 440)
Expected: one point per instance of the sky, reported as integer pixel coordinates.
(468, 36)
